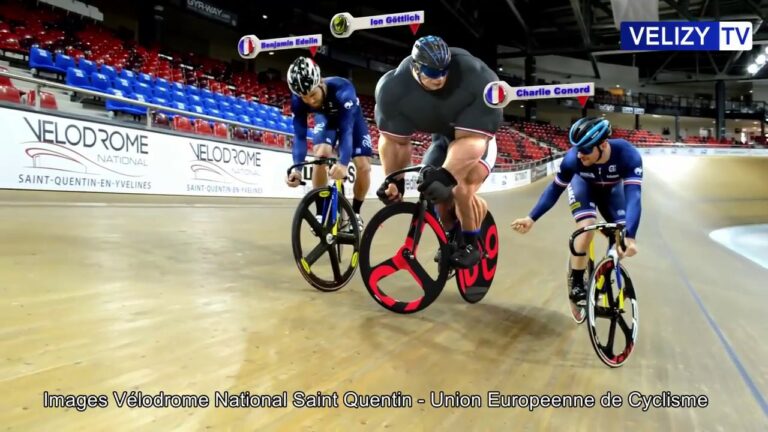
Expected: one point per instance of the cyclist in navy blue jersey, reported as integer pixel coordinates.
(600, 174)
(339, 125)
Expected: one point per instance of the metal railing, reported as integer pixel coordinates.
(152, 108)
(652, 100)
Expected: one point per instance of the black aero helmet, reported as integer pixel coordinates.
(431, 56)
(303, 76)
(589, 132)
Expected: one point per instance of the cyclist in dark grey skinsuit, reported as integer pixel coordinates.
(439, 90)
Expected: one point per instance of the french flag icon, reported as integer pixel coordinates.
(247, 46)
(495, 94)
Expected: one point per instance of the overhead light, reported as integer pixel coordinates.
(264, 16)
(617, 86)
(766, 50)
(522, 106)
(271, 53)
(760, 60)
(655, 115)
(754, 122)
(750, 91)
(501, 68)
(752, 69)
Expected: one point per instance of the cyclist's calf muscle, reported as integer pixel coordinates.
(363, 182)
(581, 244)
(463, 161)
(320, 173)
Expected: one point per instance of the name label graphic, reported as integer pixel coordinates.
(250, 46)
(499, 94)
(344, 24)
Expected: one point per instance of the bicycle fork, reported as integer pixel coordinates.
(614, 255)
(335, 208)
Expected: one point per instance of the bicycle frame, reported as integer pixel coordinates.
(335, 187)
(334, 203)
(615, 234)
(423, 203)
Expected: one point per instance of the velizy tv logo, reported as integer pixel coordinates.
(686, 36)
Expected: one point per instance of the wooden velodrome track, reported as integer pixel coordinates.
(191, 296)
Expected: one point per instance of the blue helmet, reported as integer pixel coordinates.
(589, 132)
(431, 56)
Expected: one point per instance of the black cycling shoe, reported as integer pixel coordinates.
(451, 248)
(578, 293)
(465, 257)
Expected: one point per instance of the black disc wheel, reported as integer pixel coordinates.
(326, 249)
(475, 282)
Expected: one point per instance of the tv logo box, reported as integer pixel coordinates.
(686, 36)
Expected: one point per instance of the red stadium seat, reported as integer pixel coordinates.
(47, 100)
(10, 94)
(203, 127)
(220, 130)
(181, 123)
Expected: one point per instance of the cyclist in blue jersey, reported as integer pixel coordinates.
(600, 174)
(339, 125)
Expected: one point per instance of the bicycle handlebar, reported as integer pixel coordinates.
(607, 229)
(391, 177)
(320, 161)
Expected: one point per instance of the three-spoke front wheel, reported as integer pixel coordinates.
(403, 276)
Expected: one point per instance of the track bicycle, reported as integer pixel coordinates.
(335, 231)
(424, 226)
(611, 299)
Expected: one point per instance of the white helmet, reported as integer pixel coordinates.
(303, 76)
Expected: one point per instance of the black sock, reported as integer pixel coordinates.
(356, 205)
(578, 275)
(451, 233)
(470, 237)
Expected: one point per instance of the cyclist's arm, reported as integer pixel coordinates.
(346, 124)
(395, 129)
(547, 200)
(552, 193)
(299, 148)
(633, 180)
(634, 208)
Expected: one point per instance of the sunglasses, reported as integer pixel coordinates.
(585, 150)
(432, 73)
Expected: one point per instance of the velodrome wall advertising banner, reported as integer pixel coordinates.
(45, 152)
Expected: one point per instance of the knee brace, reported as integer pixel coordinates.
(436, 184)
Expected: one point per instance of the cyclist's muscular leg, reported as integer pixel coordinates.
(363, 176)
(320, 173)
(581, 244)
(463, 163)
